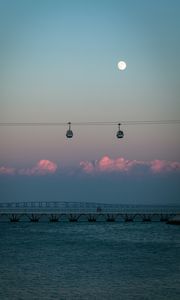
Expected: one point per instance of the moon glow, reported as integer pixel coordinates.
(122, 65)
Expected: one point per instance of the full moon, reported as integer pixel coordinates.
(121, 65)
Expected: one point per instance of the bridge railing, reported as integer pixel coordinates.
(82, 207)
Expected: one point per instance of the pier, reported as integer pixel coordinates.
(84, 211)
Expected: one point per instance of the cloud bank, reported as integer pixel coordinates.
(43, 167)
(102, 166)
(122, 165)
(7, 171)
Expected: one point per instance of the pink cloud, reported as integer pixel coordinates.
(87, 166)
(7, 171)
(158, 166)
(43, 167)
(107, 164)
(103, 165)
(120, 164)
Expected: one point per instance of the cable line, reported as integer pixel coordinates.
(69, 132)
(105, 123)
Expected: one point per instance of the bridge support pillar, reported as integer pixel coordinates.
(164, 218)
(146, 218)
(14, 218)
(34, 218)
(73, 218)
(110, 218)
(92, 219)
(128, 218)
(53, 218)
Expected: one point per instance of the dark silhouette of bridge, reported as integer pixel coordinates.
(85, 211)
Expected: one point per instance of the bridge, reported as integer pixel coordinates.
(84, 211)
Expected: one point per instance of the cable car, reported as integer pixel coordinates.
(69, 133)
(120, 133)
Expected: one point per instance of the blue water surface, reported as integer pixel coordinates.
(64, 260)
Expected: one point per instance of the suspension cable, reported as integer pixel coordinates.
(105, 123)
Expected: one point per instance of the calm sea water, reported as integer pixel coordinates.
(89, 261)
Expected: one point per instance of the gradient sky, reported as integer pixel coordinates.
(58, 63)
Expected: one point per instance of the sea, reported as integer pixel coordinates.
(82, 260)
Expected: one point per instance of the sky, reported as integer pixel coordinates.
(58, 63)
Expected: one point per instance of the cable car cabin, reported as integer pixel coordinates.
(120, 134)
(69, 134)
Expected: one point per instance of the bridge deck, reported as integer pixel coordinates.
(74, 211)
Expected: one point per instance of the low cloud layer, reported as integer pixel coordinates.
(7, 171)
(107, 164)
(43, 167)
(103, 165)
(158, 166)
